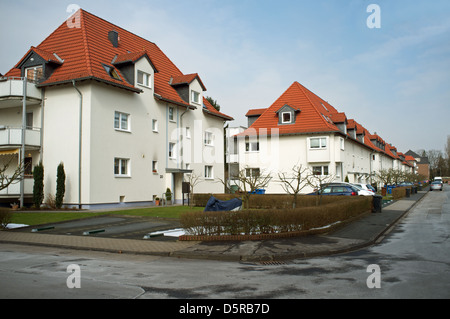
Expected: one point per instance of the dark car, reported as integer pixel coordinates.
(338, 190)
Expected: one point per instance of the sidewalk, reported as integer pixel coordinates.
(362, 233)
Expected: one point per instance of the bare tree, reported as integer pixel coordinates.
(7, 180)
(295, 182)
(193, 180)
(319, 182)
(250, 180)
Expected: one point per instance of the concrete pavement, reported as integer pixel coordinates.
(364, 232)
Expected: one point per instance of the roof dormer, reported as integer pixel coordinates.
(189, 87)
(38, 65)
(287, 114)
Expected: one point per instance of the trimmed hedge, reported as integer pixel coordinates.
(400, 192)
(275, 220)
(268, 201)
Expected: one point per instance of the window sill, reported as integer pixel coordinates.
(122, 176)
(120, 130)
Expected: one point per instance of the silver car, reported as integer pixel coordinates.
(436, 186)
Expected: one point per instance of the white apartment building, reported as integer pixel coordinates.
(300, 128)
(110, 105)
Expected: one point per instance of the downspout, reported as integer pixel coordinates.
(22, 149)
(79, 142)
(181, 139)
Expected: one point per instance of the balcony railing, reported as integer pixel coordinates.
(12, 136)
(11, 92)
(14, 189)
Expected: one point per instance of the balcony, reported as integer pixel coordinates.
(232, 158)
(11, 92)
(14, 189)
(11, 137)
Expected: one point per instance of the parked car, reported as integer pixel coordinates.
(359, 189)
(366, 187)
(338, 190)
(436, 185)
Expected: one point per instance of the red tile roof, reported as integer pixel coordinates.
(255, 112)
(186, 79)
(85, 47)
(314, 115)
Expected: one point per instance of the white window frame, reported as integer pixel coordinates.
(323, 143)
(120, 161)
(208, 139)
(342, 143)
(209, 172)
(323, 169)
(120, 127)
(172, 151)
(188, 132)
(146, 79)
(155, 125)
(282, 118)
(195, 97)
(171, 114)
(252, 147)
(253, 172)
(34, 68)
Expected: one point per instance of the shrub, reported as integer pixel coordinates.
(38, 187)
(5, 218)
(398, 192)
(275, 220)
(60, 186)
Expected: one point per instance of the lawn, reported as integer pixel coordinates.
(46, 217)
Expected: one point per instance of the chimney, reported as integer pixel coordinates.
(113, 37)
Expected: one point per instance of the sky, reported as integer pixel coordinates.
(393, 78)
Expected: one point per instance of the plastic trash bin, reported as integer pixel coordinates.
(408, 192)
(377, 203)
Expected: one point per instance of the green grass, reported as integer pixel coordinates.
(38, 218)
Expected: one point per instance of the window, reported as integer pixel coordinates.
(320, 170)
(286, 117)
(34, 73)
(209, 138)
(195, 97)
(318, 142)
(172, 150)
(121, 167)
(209, 172)
(155, 125)
(188, 132)
(252, 172)
(171, 118)
(121, 121)
(155, 166)
(252, 147)
(144, 79)
(112, 72)
(342, 144)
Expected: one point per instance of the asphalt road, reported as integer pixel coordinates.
(413, 261)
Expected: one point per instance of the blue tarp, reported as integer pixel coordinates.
(215, 205)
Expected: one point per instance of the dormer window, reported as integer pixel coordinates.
(286, 118)
(112, 72)
(195, 97)
(287, 115)
(144, 79)
(34, 73)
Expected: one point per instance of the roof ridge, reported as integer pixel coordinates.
(85, 41)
